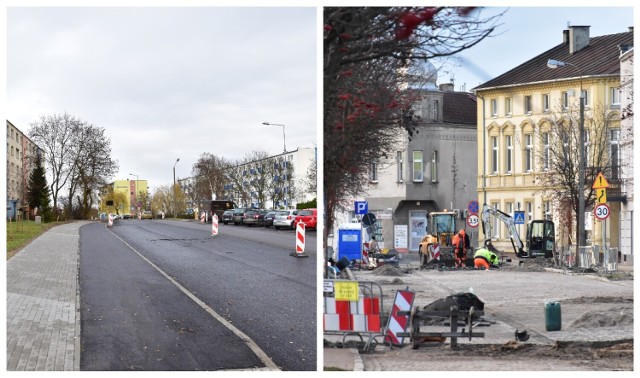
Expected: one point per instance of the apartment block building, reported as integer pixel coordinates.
(21, 153)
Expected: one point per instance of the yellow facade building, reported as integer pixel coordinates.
(517, 113)
(135, 193)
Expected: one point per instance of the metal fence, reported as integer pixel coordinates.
(589, 257)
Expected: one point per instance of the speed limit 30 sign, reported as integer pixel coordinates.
(602, 211)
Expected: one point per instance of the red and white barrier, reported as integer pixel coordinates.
(436, 251)
(214, 225)
(300, 241)
(397, 323)
(110, 220)
(202, 217)
(360, 316)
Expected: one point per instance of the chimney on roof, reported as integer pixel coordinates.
(578, 38)
(631, 29)
(447, 87)
(565, 37)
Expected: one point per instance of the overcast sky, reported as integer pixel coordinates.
(168, 83)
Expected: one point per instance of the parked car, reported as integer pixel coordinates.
(147, 215)
(227, 216)
(284, 219)
(307, 216)
(254, 217)
(238, 214)
(269, 217)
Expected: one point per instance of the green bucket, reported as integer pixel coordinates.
(552, 316)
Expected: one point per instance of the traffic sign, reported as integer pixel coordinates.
(600, 182)
(601, 195)
(602, 211)
(518, 217)
(362, 207)
(473, 220)
(473, 207)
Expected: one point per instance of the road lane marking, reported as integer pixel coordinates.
(269, 364)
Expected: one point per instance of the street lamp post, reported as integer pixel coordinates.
(552, 63)
(283, 137)
(174, 188)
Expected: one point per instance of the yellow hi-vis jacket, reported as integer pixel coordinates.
(491, 257)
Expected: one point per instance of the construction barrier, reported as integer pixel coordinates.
(110, 220)
(300, 241)
(399, 323)
(214, 225)
(202, 217)
(358, 315)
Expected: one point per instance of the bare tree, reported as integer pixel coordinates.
(372, 58)
(559, 157)
(78, 155)
(208, 172)
(55, 135)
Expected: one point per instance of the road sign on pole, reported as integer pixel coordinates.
(601, 195)
(602, 211)
(600, 182)
(473, 220)
(473, 207)
(518, 217)
(362, 207)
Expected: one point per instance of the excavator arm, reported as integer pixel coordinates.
(507, 219)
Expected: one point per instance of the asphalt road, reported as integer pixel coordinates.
(257, 309)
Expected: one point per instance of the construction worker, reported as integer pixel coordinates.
(483, 258)
(461, 244)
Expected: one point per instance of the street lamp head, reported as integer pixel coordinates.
(266, 123)
(552, 63)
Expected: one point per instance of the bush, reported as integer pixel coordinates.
(313, 204)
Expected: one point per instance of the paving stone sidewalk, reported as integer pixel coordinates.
(43, 310)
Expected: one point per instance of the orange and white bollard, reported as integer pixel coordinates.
(300, 240)
(214, 225)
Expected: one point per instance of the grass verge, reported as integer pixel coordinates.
(19, 234)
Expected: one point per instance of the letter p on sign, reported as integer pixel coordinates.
(362, 207)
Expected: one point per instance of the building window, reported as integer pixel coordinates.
(527, 104)
(507, 106)
(528, 138)
(509, 156)
(435, 111)
(545, 151)
(615, 96)
(373, 172)
(494, 107)
(615, 154)
(494, 155)
(529, 207)
(434, 166)
(546, 205)
(417, 166)
(585, 96)
(565, 100)
(399, 164)
(545, 102)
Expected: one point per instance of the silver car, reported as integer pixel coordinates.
(284, 219)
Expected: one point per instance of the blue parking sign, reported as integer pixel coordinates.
(518, 217)
(362, 207)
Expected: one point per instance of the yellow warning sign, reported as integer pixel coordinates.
(601, 196)
(600, 182)
(346, 291)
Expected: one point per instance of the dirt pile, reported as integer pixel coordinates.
(621, 316)
(388, 270)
